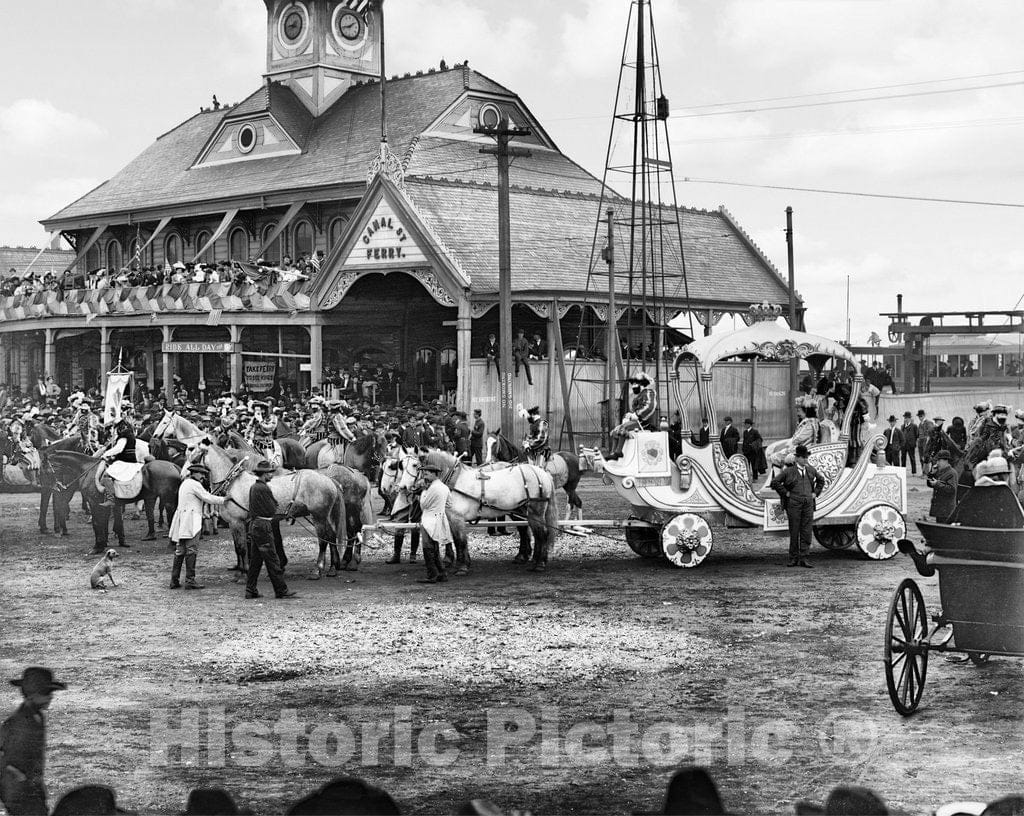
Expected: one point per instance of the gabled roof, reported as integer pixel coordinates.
(337, 147)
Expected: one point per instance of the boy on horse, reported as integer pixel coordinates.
(535, 443)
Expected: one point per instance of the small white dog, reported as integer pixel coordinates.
(103, 570)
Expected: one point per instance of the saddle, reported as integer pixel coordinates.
(127, 478)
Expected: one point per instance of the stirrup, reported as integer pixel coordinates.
(483, 477)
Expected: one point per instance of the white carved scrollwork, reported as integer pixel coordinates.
(786, 350)
(433, 285)
(540, 309)
(734, 474)
(478, 310)
(341, 287)
(388, 165)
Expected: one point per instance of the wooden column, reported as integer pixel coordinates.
(316, 355)
(464, 353)
(235, 333)
(104, 357)
(168, 335)
(50, 352)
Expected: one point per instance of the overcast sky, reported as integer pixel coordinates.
(90, 84)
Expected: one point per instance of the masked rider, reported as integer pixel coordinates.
(339, 430)
(535, 443)
(642, 415)
(315, 428)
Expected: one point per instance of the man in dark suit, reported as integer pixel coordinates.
(909, 449)
(799, 486)
(942, 481)
(729, 437)
(893, 442)
(753, 448)
(702, 438)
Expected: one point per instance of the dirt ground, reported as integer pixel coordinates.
(576, 691)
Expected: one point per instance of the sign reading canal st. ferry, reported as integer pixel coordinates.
(384, 241)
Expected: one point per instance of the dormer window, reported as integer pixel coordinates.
(246, 138)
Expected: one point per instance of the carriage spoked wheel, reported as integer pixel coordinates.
(835, 536)
(878, 529)
(686, 540)
(906, 647)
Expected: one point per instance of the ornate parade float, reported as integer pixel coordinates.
(681, 498)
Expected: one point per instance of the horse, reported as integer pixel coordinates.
(160, 480)
(175, 426)
(355, 491)
(302, 493)
(564, 467)
(53, 485)
(517, 490)
(365, 454)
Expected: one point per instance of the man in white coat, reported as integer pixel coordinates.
(187, 524)
(435, 530)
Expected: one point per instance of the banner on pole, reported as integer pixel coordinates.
(259, 376)
(117, 389)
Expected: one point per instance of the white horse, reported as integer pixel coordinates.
(522, 490)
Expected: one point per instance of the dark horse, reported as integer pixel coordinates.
(563, 466)
(57, 484)
(160, 480)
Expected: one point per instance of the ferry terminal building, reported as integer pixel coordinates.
(410, 236)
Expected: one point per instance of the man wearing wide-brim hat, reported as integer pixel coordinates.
(23, 744)
(187, 524)
(263, 513)
(643, 412)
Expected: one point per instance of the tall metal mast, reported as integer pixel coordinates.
(649, 259)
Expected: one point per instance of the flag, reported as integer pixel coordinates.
(168, 268)
(358, 6)
(213, 318)
(117, 387)
(315, 261)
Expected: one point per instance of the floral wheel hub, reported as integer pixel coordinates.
(686, 540)
(878, 530)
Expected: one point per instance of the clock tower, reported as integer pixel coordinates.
(318, 48)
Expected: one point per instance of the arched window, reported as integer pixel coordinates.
(425, 366)
(133, 250)
(210, 255)
(335, 231)
(449, 365)
(238, 245)
(272, 253)
(114, 255)
(303, 240)
(172, 248)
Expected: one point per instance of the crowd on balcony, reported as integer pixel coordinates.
(260, 272)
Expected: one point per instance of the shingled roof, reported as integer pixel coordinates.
(337, 147)
(553, 234)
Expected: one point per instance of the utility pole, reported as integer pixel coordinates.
(503, 134)
(794, 364)
(608, 253)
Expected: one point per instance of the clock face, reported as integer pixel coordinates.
(293, 25)
(350, 27)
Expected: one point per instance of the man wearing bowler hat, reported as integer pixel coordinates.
(799, 486)
(23, 744)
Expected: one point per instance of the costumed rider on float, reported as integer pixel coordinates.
(125, 448)
(807, 433)
(642, 414)
(535, 444)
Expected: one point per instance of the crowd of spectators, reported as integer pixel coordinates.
(260, 272)
(690, 791)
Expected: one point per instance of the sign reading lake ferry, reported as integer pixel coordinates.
(384, 240)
